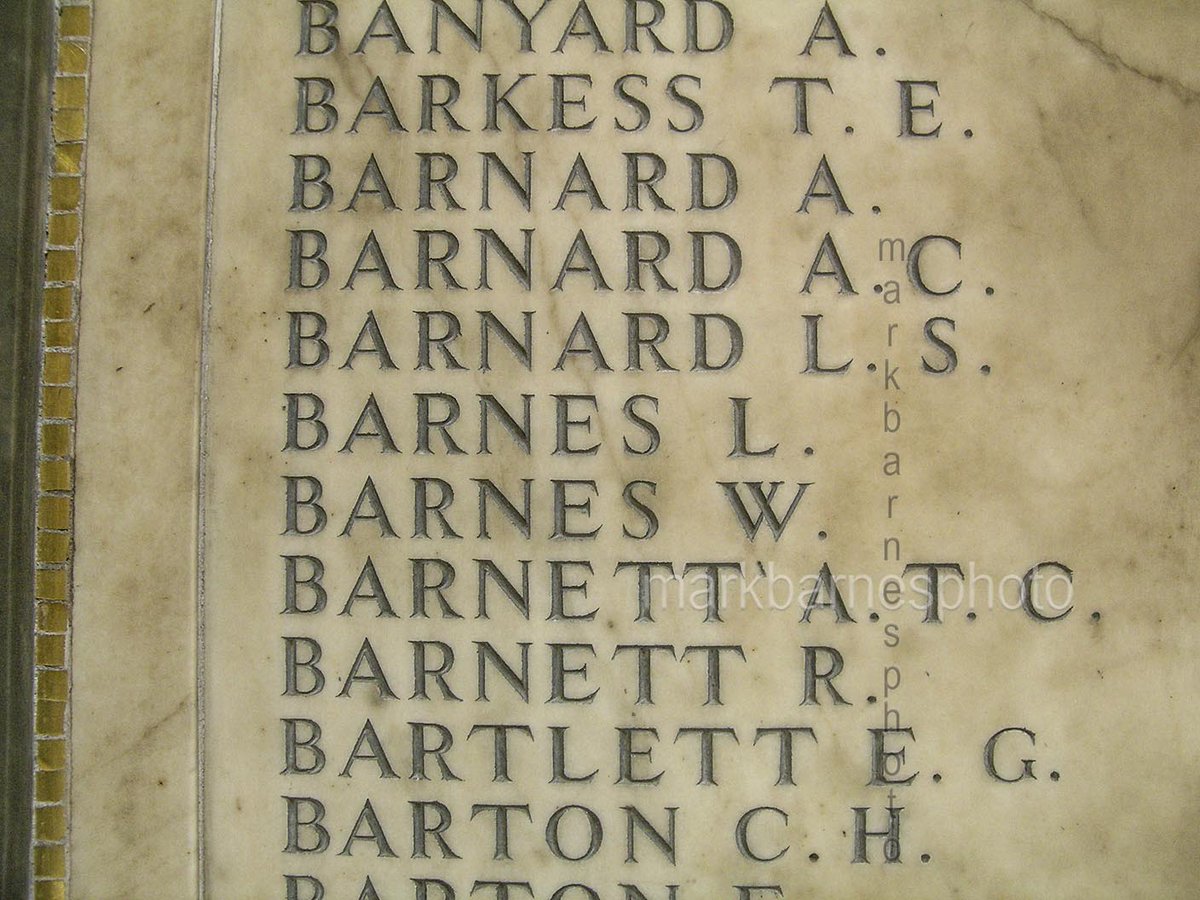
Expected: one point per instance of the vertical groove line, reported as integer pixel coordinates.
(202, 455)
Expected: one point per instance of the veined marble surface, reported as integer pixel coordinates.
(1065, 170)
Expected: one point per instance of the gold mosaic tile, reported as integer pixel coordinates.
(51, 824)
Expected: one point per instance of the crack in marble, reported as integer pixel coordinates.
(1065, 169)
(1186, 94)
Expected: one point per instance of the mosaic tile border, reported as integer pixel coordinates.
(56, 442)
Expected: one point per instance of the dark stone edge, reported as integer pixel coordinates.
(26, 65)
